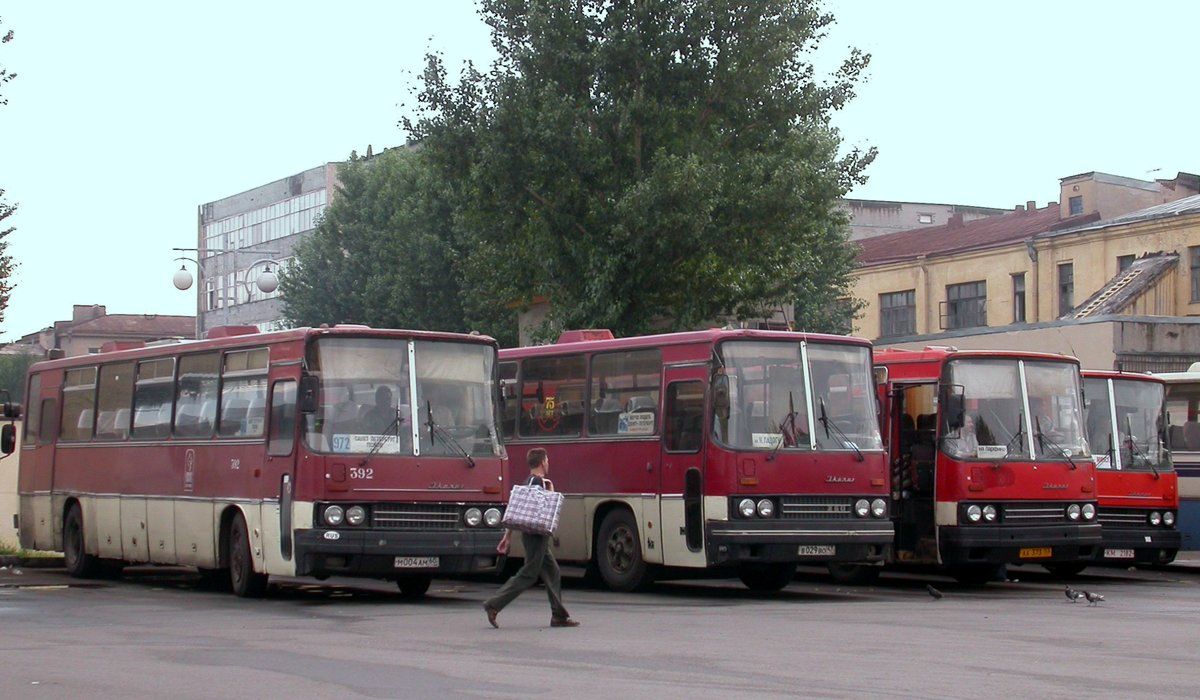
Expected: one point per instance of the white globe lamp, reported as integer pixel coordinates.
(182, 279)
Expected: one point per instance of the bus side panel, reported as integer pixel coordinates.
(160, 521)
(134, 535)
(272, 557)
(105, 523)
(195, 538)
(675, 551)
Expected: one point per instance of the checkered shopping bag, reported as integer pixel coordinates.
(533, 509)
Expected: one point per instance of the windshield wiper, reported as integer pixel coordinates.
(1133, 448)
(1043, 439)
(790, 418)
(825, 421)
(1019, 434)
(439, 431)
(393, 430)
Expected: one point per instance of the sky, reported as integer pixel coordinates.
(126, 116)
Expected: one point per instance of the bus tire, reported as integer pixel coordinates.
(243, 579)
(619, 553)
(414, 587)
(975, 574)
(1066, 569)
(79, 563)
(214, 579)
(854, 574)
(767, 578)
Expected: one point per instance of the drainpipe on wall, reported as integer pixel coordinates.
(929, 304)
(1032, 288)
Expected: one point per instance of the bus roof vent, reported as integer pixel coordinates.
(1195, 367)
(230, 331)
(944, 348)
(164, 341)
(355, 326)
(585, 335)
(115, 345)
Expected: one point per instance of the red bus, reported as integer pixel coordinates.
(740, 450)
(990, 464)
(1138, 488)
(310, 452)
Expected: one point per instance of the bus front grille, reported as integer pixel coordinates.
(816, 507)
(416, 516)
(1128, 517)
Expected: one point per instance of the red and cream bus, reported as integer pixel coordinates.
(990, 464)
(741, 450)
(1137, 486)
(310, 452)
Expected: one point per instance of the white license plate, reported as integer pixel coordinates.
(1118, 554)
(417, 562)
(816, 550)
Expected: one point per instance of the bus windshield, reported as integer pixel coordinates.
(1139, 409)
(776, 401)
(366, 398)
(1005, 417)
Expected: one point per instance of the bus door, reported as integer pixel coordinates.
(681, 478)
(279, 468)
(913, 437)
(39, 526)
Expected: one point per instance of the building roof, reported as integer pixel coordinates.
(1125, 288)
(1179, 207)
(159, 325)
(957, 236)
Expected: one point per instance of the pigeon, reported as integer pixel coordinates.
(1093, 598)
(1072, 594)
(934, 593)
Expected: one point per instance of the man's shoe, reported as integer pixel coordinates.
(563, 622)
(491, 613)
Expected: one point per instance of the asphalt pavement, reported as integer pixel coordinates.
(155, 631)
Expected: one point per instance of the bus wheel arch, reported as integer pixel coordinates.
(78, 562)
(618, 549)
(245, 581)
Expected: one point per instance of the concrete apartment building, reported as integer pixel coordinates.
(91, 327)
(1111, 272)
(870, 217)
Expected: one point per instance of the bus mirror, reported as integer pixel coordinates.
(721, 396)
(309, 386)
(8, 438)
(955, 408)
(881, 375)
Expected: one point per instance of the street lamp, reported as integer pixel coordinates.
(267, 280)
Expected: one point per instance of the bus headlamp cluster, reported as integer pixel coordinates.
(1075, 511)
(876, 508)
(1166, 518)
(985, 513)
(474, 517)
(747, 508)
(335, 516)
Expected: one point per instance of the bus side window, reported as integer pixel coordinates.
(49, 414)
(33, 421)
(79, 402)
(152, 396)
(624, 393)
(283, 418)
(196, 395)
(244, 394)
(511, 399)
(684, 427)
(114, 401)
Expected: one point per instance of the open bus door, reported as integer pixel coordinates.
(681, 478)
(912, 438)
(279, 466)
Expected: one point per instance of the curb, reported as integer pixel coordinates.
(32, 562)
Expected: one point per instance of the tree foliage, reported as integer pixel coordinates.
(7, 265)
(12, 374)
(649, 164)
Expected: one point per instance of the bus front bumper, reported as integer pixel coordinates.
(1026, 544)
(391, 554)
(1139, 545)
(800, 541)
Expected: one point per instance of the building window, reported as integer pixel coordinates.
(898, 314)
(925, 218)
(966, 305)
(1018, 281)
(1076, 205)
(1066, 288)
(1124, 262)
(1194, 259)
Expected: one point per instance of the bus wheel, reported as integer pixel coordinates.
(975, 574)
(619, 552)
(79, 563)
(245, 582)
(767, 578)
(854, 574)
(214, 579)
(1066, 569)
(414, 587)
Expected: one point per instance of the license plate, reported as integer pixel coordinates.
(816, 550)
(1118, 554)
(417, 562)
(1035, 552)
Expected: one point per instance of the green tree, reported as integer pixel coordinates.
(12, 374)
(646, 164)
(7, 265)
(381, 254)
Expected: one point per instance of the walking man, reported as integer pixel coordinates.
(539, 560)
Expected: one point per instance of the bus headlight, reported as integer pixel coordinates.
(766, 508)
(473, 517)
(974, 513)
(1089, 511)
(746, 508)
(334, 515)
(1155, 518)
(1168, 518)
(878, 507)
(862, 507)
(355, 515)
(491, 517)
(990, 514)
(1073, 511)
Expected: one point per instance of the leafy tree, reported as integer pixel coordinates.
(380, 255)
(6, 210)
(645, 164)
(12, 374)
